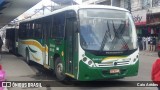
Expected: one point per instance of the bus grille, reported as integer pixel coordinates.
(112, 64)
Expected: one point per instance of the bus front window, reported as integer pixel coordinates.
(107, 30)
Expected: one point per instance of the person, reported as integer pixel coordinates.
(155, 74)
(149, 39)
(151, 43)
(140, 43)
(144, 42)
(154, 43)
(1, 43)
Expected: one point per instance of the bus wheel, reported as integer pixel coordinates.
(59, 70)
(27, 58)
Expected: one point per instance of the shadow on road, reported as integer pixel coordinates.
(48, 79)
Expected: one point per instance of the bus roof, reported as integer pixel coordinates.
(76, 7)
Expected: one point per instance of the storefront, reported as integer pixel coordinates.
(153, 23)
(139, 18)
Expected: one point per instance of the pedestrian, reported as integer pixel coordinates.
(155, 74)
(144, 42)
(147, 43)
(154, 43)
(140, 43)
(149, 39)
(1, 43)
(151, 44)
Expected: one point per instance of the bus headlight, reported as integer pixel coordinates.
(90, 62)
(135, 59)
(137, 56)
(84, 59)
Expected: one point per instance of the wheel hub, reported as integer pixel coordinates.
(60, 68)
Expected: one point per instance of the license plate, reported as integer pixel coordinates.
(112, 71)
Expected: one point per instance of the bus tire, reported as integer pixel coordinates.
(59, 70)
(27, 57)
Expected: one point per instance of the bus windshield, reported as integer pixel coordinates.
(107, 30)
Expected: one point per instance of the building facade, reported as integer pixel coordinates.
(146, 14)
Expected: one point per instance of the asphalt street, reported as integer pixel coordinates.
(17, 70)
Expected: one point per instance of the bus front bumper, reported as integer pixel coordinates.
(87, 73)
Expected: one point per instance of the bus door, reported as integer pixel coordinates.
(69, 48)
(45, 44)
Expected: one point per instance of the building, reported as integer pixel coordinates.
(145, 13)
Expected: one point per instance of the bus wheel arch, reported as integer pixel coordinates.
(58, 68)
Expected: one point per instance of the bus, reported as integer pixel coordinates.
(86, 43)
(12, 40)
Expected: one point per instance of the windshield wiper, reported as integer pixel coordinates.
(105, 37)
(118, 35)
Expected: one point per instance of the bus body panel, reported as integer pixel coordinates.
(101, 66)
(34, 47)
(87, 73)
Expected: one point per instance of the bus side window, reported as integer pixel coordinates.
(58, 23)
(37, 30)
(23, 31)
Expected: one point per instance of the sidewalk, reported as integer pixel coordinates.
(148, 53)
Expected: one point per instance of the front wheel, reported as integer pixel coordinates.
(59, 70)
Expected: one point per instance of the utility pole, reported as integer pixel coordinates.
(129, 5)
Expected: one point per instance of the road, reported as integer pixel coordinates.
(17, 70)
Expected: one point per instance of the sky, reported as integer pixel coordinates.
(31, 11)
(1, 1)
